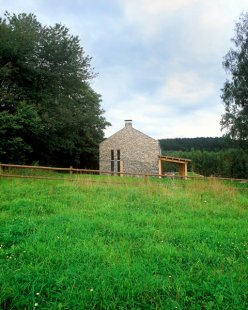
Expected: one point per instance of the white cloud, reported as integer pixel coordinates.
(187, 88)
(155, 8)
(149, 17)
(193, 124)
(199, 27)
(194, 36)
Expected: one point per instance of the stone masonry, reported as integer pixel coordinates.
(138, 152)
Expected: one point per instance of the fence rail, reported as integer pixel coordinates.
(72, 170)
(77, 170)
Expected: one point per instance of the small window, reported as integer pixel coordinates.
(118, 162)
(112, 161)
(112, 155)
(118, 155)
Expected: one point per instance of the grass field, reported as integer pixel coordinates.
(172, 244)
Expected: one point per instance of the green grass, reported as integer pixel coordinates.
(171, 244)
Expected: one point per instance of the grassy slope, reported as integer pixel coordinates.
(174, 245)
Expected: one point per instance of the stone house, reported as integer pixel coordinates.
(130, 151)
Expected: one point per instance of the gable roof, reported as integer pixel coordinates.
(126, 129)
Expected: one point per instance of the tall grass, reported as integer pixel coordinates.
(168, 245)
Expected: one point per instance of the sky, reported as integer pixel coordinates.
(159, 62)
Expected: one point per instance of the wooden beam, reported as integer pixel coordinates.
(175, 158)
(176, 161)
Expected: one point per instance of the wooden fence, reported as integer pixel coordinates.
(5, 170)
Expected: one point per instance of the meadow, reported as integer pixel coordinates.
(167, 244)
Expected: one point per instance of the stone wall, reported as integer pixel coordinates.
(138, 152)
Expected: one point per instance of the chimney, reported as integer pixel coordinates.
(128, 123)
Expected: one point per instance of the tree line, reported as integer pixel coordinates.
(201, 144)
(210, 156)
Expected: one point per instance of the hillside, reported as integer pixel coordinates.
(210, 156)
(202, 144)
(170, 244)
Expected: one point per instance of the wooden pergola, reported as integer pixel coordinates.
(182, 164)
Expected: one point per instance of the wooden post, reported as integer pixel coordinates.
(145, 178)
(182, 170)
(71, 172)
(121, 168)
(160, 168)
(1, 169)
(186, 170)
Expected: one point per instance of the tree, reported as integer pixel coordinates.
(14, 127)
(47, 106)
(235, 90)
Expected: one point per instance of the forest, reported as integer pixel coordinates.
(221, 157)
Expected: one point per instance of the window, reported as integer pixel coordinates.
(112, 161)
(118, 161)
(118, 155)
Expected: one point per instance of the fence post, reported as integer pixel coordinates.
(1, 168)
(121, 168)
(145, 178)
(71, 172)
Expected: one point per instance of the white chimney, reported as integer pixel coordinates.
(128, 123)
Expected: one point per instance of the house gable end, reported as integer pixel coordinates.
(137, 151)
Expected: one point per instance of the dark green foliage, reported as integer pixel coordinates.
(235, 90)
(232, 163)
(18, 130)
(210, 156)
(48, 111)
(203, 144)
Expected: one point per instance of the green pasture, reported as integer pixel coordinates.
(94, 243)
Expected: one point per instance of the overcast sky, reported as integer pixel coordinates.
(159, 61)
